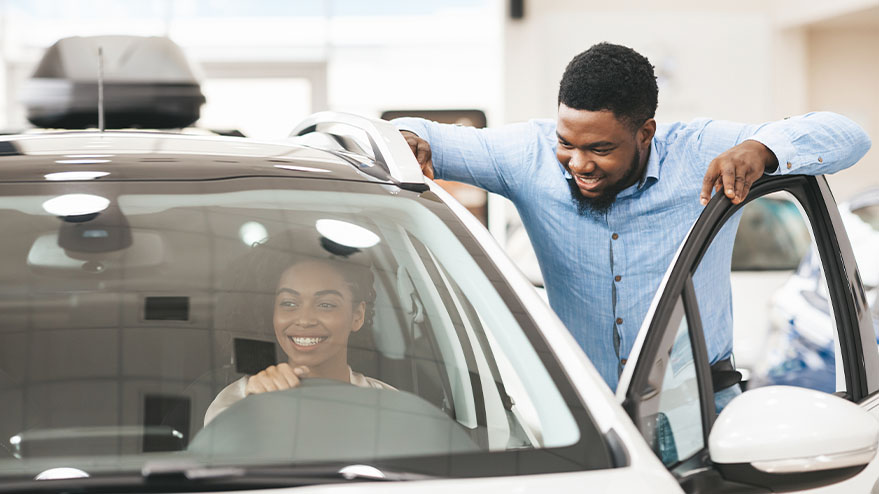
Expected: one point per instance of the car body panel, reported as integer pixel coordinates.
(606, 481)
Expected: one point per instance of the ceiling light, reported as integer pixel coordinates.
(76, 204)
(75, 175)
(348, 234)
(252, 233)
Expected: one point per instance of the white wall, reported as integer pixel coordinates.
(748, 61)
(699, 55)
(844, 76)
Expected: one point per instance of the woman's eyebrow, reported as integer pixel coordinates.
(328, 292)
(317, 294)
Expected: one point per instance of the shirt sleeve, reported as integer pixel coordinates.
(230, 395)
(811, 144)
(496, 159)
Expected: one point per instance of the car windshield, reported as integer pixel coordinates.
(133, 313)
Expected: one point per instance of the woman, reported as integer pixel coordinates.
(318, 305)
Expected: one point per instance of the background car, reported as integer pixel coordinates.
(800, 349)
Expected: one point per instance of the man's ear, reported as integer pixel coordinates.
(645, 133)
(359, 316)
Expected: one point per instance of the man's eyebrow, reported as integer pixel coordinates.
(591, 145)
(601, 144)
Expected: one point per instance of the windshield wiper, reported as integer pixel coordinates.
(158, 471)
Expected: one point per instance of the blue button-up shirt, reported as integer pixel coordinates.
(581, 256)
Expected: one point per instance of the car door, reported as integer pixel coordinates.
(666, 387)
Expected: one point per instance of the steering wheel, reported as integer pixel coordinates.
(325, 419)
(313, 382)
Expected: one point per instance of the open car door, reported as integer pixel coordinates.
(772, 438)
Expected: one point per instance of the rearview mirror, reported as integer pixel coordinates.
(785, 438)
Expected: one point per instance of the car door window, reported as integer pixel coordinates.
(781, 322)
(670, 408)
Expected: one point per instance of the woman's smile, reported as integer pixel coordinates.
(307, 343)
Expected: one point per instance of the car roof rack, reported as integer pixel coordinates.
(387, 147)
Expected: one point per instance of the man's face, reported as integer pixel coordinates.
(602, 154)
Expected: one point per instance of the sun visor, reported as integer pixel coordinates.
(147, 250)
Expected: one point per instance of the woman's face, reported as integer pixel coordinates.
(314, 315)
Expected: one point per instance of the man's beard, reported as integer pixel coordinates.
(600, 205)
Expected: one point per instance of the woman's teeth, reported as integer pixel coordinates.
(307, 340)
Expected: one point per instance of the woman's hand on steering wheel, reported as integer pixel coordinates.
(276, 378)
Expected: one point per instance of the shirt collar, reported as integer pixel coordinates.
(651, 174)
(652, 167)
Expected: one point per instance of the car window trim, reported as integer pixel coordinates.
(813, 197)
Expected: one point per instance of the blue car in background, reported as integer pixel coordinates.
(801, 350)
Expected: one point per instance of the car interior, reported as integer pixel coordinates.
(119, 328)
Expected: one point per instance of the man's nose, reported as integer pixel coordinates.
(580, 163)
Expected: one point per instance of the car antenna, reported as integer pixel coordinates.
(101, 88)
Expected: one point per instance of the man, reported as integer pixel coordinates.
(607, 195)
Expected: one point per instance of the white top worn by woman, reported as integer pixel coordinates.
(235, 392)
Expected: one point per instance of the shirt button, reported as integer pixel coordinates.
(617, 278)
(615, 236)
(619, 320)
(623, 361)
(789, 165)
(820, 159)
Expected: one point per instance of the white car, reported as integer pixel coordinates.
(146, 277)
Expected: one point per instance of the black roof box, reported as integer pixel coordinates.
(148, 83)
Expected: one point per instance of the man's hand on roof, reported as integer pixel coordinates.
(421, 149)
(734, 170)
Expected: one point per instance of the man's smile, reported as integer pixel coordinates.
(588, 183)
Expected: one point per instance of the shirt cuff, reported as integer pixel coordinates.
(783, 149)
(402, 124)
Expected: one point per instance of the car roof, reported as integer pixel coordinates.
(153, 155)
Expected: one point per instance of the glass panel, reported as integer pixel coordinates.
(780, 323)
(771, 236)
(670, 409)
(862, 227)
(134, 330)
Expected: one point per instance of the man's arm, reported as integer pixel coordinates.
(493, 159)
(812, 144)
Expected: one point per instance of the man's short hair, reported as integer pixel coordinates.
(611, 77)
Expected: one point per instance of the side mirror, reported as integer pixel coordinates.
(785, 438)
